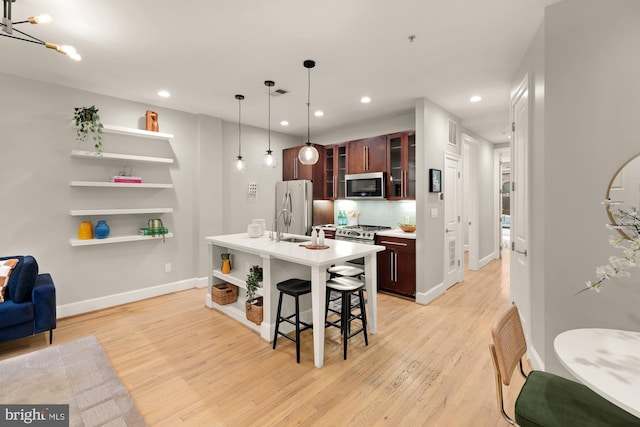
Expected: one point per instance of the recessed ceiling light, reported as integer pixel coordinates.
(475, 98)
(318, 113)
(284, 123)
(164, 93)
(365, 100)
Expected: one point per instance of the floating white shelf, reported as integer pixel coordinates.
(86, 212)
(137, 132)
(118, 184)
(116, 239)
(117, 156)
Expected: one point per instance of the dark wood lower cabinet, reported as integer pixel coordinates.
(397, 265)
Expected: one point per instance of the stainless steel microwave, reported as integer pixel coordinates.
(365, 185)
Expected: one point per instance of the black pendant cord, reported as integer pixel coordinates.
(308, 106)
(239, 98)
(269, 84)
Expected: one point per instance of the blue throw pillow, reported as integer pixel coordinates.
(23, 278)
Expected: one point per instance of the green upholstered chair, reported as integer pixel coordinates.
(545, 399)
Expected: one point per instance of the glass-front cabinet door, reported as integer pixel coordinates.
(341, 151)
(402, 166)
(330, 176)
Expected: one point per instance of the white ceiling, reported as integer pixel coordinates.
(205, 52)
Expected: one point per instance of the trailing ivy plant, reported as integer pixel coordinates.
(87, 121)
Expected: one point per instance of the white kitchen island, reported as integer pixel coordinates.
(284, 260)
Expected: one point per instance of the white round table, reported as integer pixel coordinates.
(605, 360)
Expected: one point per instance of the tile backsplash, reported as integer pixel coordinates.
(378, 212)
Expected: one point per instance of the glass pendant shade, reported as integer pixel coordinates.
(269, 160)
(240, 164)
(308, 155)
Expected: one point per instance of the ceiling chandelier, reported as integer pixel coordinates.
(8, 30)
(239, 162)
(308, 155)
(269, 159)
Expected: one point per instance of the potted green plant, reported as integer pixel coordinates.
(253, 304)
(87, 120)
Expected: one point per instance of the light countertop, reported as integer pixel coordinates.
(397, 233)
(338, 250)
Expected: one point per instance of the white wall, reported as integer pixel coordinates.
(585, 75)
(432, 130)
(36, 170)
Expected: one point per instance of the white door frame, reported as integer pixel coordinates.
(458, 275)
(470, 205)
(498, 155)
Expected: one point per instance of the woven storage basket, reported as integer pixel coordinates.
(254, 314)
(224, 293)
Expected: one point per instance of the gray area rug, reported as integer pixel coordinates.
(77, 373)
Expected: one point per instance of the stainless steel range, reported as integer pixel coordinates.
(359, 233)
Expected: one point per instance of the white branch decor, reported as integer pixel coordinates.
(627, 223)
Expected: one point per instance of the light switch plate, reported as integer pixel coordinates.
(434, 212)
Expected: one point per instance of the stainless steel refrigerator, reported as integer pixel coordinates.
(296, 199)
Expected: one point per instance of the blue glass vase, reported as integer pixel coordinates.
(102, 230)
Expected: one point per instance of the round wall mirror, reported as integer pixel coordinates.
(623, 195)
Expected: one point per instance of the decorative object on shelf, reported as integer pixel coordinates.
(308, 155)
(7, 27)
(226, 263)
(101, 231)
(352, 217)
(407, 228)
(224, 293)
(253, 305)
(156, 228)
(435, 180)
(239, 163)
(152, 121)
(269, 159)
(85, 230)
(88, 121)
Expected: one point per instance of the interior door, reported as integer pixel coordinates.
(520, 290)
(453, 249)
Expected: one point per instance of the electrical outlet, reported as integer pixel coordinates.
(253, 188)
(167, 267)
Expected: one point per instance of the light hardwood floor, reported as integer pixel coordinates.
(184, 364)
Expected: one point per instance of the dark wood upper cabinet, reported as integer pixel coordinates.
(401, 167)
(367, 155)
(292, 169)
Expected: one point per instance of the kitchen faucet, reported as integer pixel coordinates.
(288, 219)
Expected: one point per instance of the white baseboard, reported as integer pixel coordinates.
(536, 361)
(486, 260)
(94, 304)
(425, 298)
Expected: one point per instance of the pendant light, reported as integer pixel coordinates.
(308, 155)
(269, 159)
(239, 163)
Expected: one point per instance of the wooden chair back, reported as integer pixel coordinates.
(509, 342)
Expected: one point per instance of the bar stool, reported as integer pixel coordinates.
(347, 286)
(294, 288)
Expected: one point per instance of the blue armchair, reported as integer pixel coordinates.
(30, 302)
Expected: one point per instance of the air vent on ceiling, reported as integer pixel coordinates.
(279, 92)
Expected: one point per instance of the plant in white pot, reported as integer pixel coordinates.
(87, 120)
(253, 304)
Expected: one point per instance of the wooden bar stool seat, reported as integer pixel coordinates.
(294, 288)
